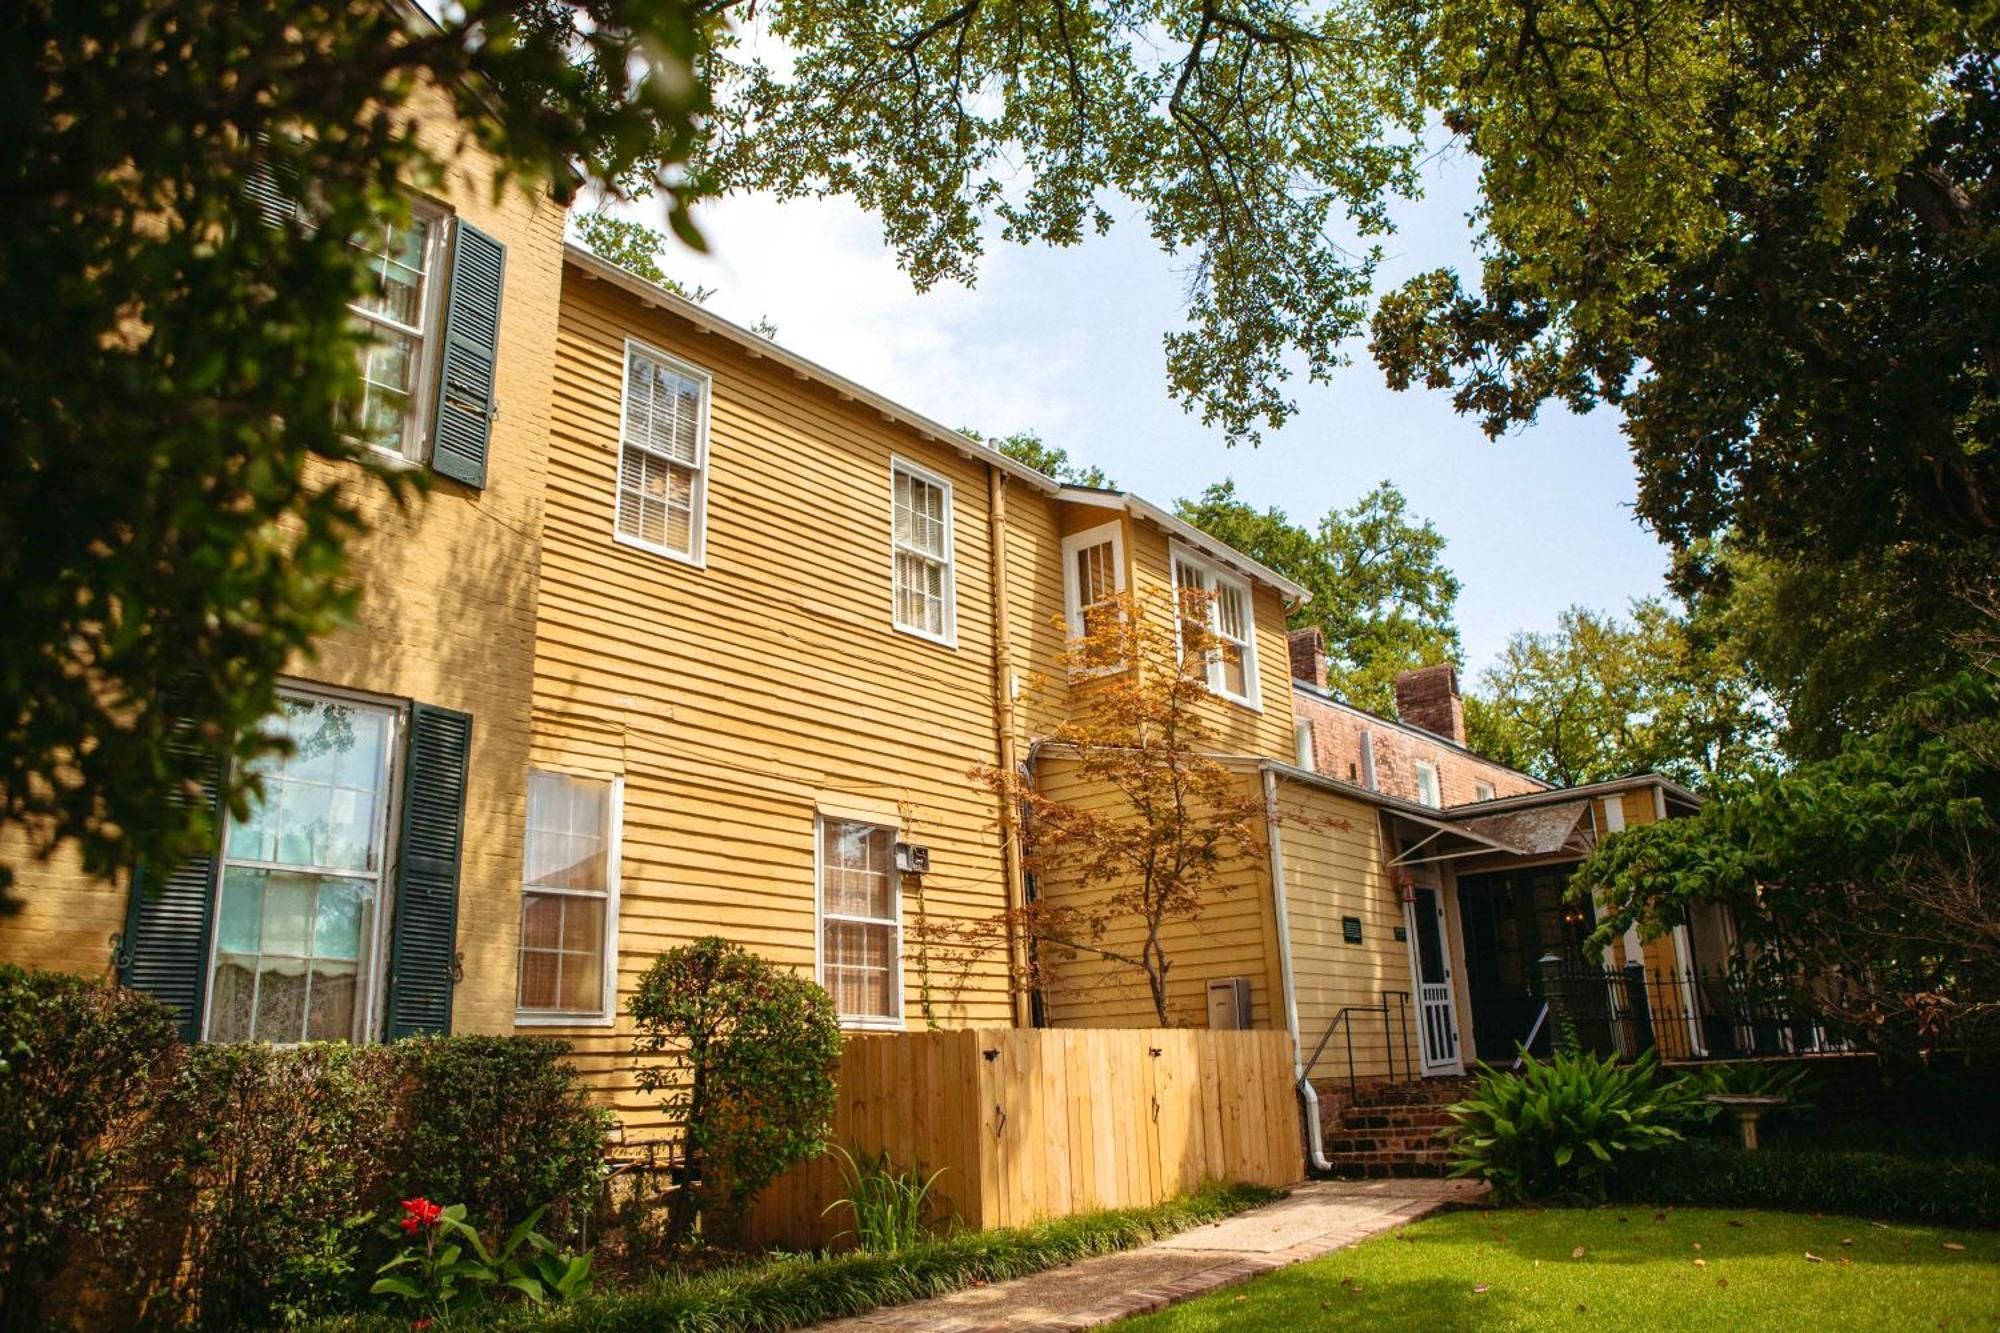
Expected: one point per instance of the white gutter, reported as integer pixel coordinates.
(1315, 1144)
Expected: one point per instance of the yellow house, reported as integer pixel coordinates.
(377, 889)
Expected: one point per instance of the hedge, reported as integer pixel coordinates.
(799, 1291)
(1950, 1192)
(226, 1186)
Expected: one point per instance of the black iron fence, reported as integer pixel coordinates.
(1687, 1014)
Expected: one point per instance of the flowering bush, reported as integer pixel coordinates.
(451, 1266)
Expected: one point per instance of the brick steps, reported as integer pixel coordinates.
(1389, 1129)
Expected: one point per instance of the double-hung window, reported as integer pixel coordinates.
(921, 580)
(1225, 600)
(569, 899)
(1428, 792)
(398, 312)
(298, 927)
(861, 922)
(663, 455)
(1093, 575)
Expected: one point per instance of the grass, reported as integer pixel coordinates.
(1640, 1269)
(792, 1292)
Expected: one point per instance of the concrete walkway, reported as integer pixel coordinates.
(1318, 1218)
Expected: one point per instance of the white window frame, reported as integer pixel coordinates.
(372, 988)
(1303, 750)
(422, 422)
(949, 638)
(1073, 608)
(697, 553)
(614, 851)
(1483, 791)
(869, 1022)
(1436, 802)
(1215, 578)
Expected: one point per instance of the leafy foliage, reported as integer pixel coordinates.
(1875, 867)
(1601, 697)
(1960, 1192)
(891, 1207)
(1560, 1128)
(636, 247)
(744, 1053)
(540, 1135)
(1381, 594)
(799, 1291)
(198, 357)
(1024, 446)
(1257, 140)
(1767, 235)
(1138, 727)
(450, 1266)
(76, 1058)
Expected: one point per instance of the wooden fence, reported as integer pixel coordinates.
(1037, 1123)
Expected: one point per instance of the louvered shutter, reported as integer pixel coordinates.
(271, 187)
(170, 917)
(424, 942)
(465, 403)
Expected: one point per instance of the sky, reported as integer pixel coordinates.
(1066, 343)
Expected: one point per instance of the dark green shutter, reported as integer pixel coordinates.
(465, 403)
(170, 918)
(423, 952)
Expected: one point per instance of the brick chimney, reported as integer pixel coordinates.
(1308, 656)
(1428, 697)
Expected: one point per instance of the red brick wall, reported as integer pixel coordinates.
(1337, 753)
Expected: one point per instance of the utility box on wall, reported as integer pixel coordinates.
(1229, 1003)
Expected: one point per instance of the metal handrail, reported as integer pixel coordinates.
(1533, 1032)
(1344, 1019)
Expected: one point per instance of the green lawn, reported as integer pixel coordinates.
(1687, 1268)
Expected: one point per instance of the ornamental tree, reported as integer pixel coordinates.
(172, 367)
(1138, 870)
(743, 1053)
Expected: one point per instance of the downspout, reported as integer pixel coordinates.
(1308, 1095)
(1003, 721)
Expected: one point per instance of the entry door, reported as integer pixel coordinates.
(1437, 1017)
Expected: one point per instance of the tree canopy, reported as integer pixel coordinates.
(1601, 697)
(1381, 592)
(173, 367)
(1025, 446)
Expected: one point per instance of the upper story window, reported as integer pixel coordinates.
(1427, 785)
(569, 900)
(663, 455)
(1302, 743)
(298, 933)
(1093, 574)
(399, 313)
(1482, 791)
(1232, 666)
(861, 922)
(922, 581)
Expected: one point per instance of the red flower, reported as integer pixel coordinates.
(419, 1213)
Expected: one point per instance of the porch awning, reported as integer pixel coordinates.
(1539, 830)
(1446, 841)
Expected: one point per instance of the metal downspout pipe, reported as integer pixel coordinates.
(1308, 1095)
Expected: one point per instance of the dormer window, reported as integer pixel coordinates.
(1232, 663)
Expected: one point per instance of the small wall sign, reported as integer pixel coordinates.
(1350, 929)
(1402, 935)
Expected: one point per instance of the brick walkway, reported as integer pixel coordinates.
(1318, 1218)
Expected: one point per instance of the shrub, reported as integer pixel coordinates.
(1556, 1129)
(76, 1058)
(1962, 1192)
(750, 1052)
(502, 1125)
(264, 1165)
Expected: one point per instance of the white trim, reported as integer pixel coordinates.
(918, 472)
(1180, 557)
(1455, 1065)
(854, 1022)
(1073, 608)
(420, 421)
(1423, 766)
(1303, 749)
(372, 970)
(697, 553)
(614, 851)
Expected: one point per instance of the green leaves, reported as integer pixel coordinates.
(1552, 1130)
(1260, 143)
